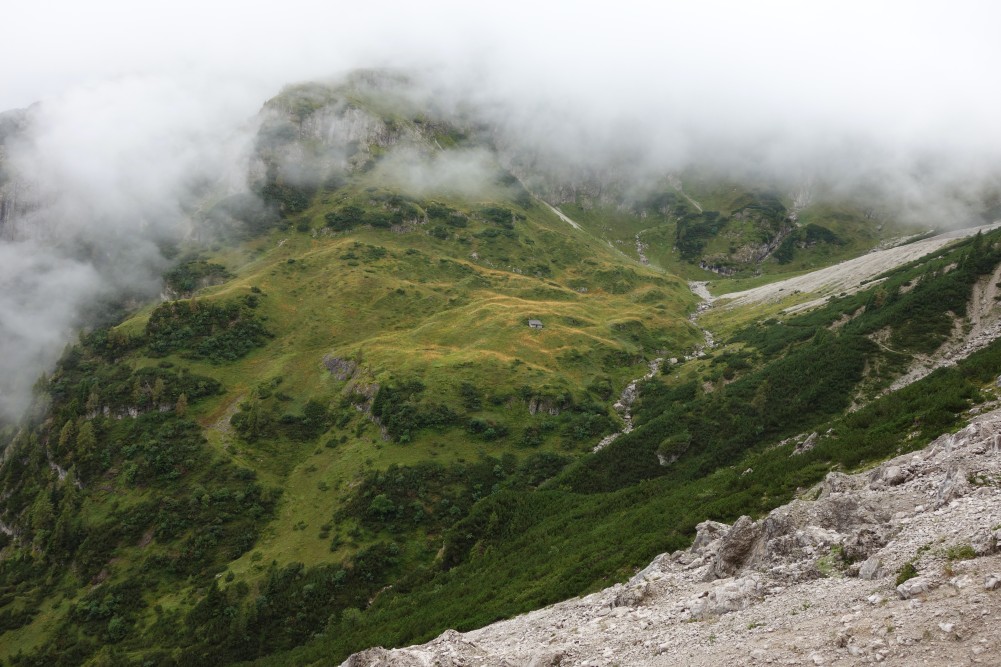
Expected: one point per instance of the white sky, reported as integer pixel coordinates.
(930, 60)
(787, 81)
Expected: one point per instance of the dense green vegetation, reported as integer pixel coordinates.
(193, 274)
(203, 487)
(118, 469)
(695, 230)
(218, 332)
(805, 237)
(610, 512)
(343, 433)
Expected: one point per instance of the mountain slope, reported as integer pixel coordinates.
(363, 322)
(899, 564)
(716, 438)
(337, 429)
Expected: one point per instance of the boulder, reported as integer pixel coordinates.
(953, 485)
(732, 595)
(706, 533)
(888, 475)
(870, 569)
(984, 542)
(914, 587)
(864, 541)
(734, 548)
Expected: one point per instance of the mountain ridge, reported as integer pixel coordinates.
(336, 426)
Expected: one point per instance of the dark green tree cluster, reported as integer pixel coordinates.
(402, 413)
(500, 216)
(117, 432)
(191, 275)
(257, 419)
(694, 230)
(218, 332)
(805, 237)
(287, 198)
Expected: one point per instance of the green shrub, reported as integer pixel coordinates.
(218, 332)
(908, 571)
(960, 552)
(344, 218)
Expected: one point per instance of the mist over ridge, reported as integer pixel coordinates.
(326, 327)
(892, 102)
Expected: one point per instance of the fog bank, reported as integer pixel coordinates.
(146, 108)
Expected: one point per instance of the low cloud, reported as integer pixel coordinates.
(462, 173)
(152, 115)
(40, 293)
(103, 177)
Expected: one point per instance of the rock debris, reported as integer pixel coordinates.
(815, 582)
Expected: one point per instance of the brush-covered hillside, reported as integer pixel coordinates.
(340, 327)
(701, 224)
(337, 428)
(732, 229)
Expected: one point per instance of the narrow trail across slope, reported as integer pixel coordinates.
(565, 218)
(676, 184)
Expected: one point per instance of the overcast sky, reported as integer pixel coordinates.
(911, 65)
(790, 79)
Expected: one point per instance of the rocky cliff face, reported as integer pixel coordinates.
(312, 132)
(899, 565)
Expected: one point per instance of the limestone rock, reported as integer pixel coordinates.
(953, 485)
(870, 569)
(775, 590)
(914, 587)
(734, 548)
(706, 533)
(864, 541)
(733, 595)
(984, 542)
(890, 475)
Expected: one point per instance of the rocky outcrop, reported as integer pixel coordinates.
(898, 565)
(547, 405)
(625, 404)
(312, 132)
(341, 369)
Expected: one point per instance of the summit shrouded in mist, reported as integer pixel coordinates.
(890, 102)
(325, 327)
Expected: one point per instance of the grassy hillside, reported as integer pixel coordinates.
(701, 229)
(716, 438)
(340, 430)
(204, 445)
